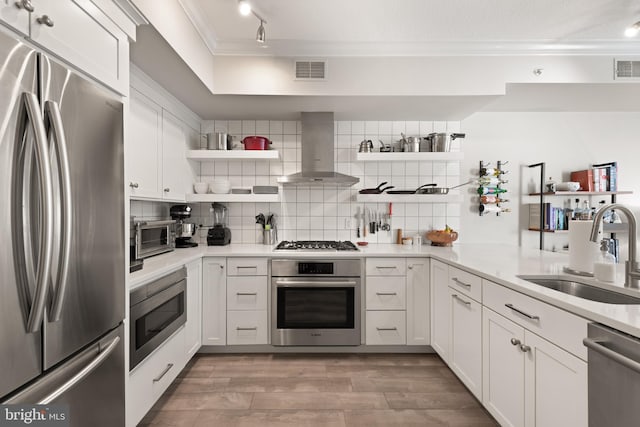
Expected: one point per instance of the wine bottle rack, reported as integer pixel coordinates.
(490, 188)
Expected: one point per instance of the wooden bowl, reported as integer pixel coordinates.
(441, 238)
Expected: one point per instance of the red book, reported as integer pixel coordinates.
(585, 178)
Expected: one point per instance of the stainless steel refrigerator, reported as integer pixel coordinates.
(62, 278)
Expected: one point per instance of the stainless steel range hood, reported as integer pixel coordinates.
(318, 154)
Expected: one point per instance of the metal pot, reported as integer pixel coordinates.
(218, 141)
(256, 143)
(441, 143)
(366, 146)
(412, 145)
(426, 145)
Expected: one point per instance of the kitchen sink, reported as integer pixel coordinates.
(582, 290)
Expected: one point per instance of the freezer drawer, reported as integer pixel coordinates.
(91, 383)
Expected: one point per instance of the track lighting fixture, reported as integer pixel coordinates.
(245, 9)
(633, 30)
(260, 35)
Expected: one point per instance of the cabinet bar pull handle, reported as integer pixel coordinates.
(246, 293)
(461, 300)
(238, 328)
(387, 329)
(382, 267)
(515, 341)
(386, 293)
(167, 369)
(247, 266)
(517, 310)
(466, 285)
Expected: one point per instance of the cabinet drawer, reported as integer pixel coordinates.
(246, 267)
(386, 328)
(564, 329)
(247, 293)
(465, 283)
(386, 293)
(386, 267)
(154, 375)
(247, 327)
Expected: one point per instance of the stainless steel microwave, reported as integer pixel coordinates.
(154, 237)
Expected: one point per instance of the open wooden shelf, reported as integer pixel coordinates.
(583, 193)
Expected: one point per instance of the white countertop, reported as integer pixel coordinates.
(498, 263)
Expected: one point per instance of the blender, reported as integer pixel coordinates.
(184, 230)
(219, 234)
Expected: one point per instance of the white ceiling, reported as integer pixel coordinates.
(418, 27)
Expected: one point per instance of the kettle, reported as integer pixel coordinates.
(366, 146)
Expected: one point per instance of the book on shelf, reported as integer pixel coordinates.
(584, 178)
(554, 218)
(608, 173)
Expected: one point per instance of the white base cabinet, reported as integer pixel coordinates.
(193, 326)
(214, 301)
(386, 327)
(465, 351)
(153, 376)
(440, 309)
(418, 313)
(527, 380)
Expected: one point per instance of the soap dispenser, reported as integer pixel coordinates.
(605, 268)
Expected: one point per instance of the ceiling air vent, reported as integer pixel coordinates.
(627, 70)
(311, 70)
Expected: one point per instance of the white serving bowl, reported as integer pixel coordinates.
(201, 187)
(568, 186)
(220, 186)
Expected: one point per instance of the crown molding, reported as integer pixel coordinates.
(204, 28)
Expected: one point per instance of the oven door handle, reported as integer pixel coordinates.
(301, 283)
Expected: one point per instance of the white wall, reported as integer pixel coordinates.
(565, 141)
(327, 213)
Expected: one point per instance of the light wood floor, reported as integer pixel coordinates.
(317, 390)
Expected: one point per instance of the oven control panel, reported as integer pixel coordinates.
(307, 268)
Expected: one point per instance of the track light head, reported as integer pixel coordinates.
(261, 36)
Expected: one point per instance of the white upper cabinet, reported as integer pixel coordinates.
(16, 17)
(76, 31)
(175, 169)
(144, 147)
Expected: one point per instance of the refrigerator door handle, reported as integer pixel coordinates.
(53, 123)
(77, 378)
(30, 115)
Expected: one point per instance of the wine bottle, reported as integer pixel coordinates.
(490, 190)
(484, 209)
(492, 199)
(491, 180)
(491, 172)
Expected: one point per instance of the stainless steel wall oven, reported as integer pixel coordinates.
(315, 302)
(157, 310)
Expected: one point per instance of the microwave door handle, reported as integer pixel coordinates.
(54, 121)
(30, 115)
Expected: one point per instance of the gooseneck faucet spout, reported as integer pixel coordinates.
(632, 269)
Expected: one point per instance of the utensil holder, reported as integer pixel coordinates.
(269, 237)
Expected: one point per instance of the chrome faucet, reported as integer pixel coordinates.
(631, 267)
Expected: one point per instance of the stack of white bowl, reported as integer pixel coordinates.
(201, 187)
(220, 186)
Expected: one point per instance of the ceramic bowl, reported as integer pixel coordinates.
(201, 187)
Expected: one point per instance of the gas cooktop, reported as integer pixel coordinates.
(316, 245)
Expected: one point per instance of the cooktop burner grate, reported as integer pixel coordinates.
(317, 245)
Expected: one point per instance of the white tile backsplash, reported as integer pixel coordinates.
(328, 212)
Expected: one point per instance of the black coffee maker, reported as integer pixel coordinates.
(184, 230)
(219, 234)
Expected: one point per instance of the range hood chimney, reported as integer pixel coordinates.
(318, 154)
